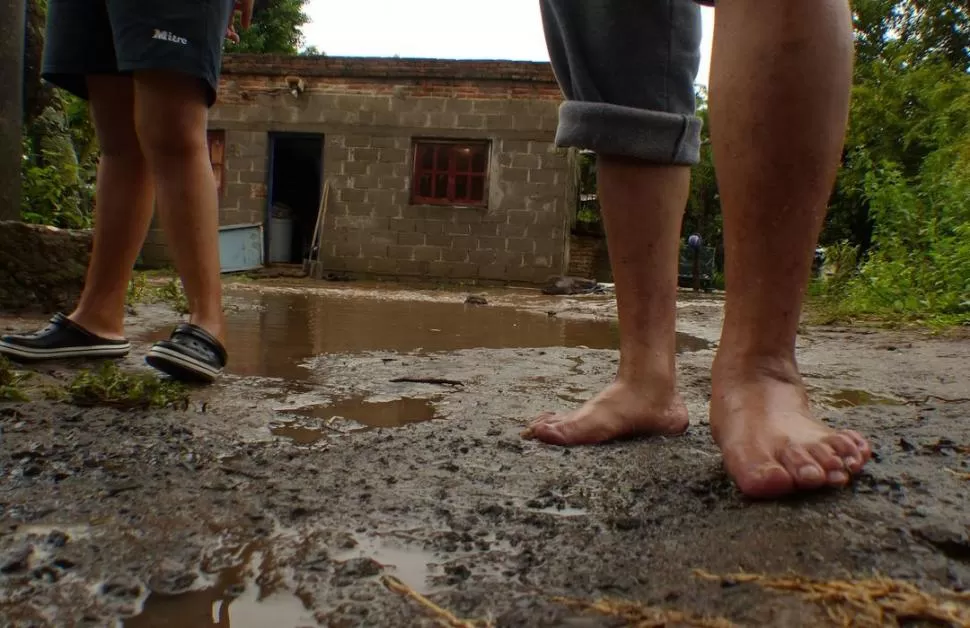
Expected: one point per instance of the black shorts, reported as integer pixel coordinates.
(87, 37)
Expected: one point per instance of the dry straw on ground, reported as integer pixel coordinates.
(867, 603)
(442, 617)
(963, 475)
(638, 616)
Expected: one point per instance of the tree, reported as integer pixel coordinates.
(703, 214)
(903, 49)
(275, 28)
(13, 14)
(902, 202)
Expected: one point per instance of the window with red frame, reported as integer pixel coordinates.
(217, 157)
(450, 173)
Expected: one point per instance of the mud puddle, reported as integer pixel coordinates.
(248, 595)
(411, 565)
(855, 398)
(351, 415)
(272, 334)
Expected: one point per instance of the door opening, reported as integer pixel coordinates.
(294, 200)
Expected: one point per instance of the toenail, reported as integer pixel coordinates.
(851, 462)
(810, 473)
(837, 477)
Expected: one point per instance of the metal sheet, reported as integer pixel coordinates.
(240, 247)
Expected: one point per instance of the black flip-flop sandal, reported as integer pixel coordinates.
(191, 354)
(61, 339)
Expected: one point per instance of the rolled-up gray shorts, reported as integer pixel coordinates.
(627, 70)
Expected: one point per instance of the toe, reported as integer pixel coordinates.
(831, 463)
(545, 417)
(847, 449)
(552, 432)
(767, 480)
(861, 443)
(802, 466)
(756, 473)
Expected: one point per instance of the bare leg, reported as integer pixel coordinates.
(779, 102)
(642, 210)
(170, 116)
(124, 207)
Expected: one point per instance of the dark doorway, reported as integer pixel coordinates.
(296, 172)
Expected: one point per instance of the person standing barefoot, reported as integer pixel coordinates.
(780, 83)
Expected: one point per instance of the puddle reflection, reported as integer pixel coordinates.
(351, 415)
(249, 595)
(411, 565)
(273, 338)
(853, 398)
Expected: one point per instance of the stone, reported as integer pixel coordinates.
(568, 285)
(16, 560)
(42, 268)
(359, 568)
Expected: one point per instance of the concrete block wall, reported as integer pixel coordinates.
(370, 112)
(589, 258)
(371, 226)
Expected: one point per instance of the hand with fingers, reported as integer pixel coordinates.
(245, 9)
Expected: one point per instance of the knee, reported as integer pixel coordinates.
(173, 137)
(121, 144)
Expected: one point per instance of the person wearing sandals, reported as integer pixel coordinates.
(150, 70)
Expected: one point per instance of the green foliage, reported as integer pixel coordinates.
(703, 215)
(588, 217)
(10, 383)
(173, 294)
(138, 289)
(902, 208)
(60, 151)
(142, 290)
(275, 29)
(108, 385)
(59, 165)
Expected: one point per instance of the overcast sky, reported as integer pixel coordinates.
(446, 29)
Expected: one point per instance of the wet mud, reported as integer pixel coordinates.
(368, 437)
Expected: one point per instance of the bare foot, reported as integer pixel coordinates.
(621, 410)
(771, 442)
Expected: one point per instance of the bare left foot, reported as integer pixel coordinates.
(772, 444)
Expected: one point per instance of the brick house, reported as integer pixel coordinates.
(438, 169)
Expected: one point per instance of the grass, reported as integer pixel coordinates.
(824, 310)
(155, 288)
(108, 385)
(10, 382)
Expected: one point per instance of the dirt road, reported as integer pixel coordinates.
(286, 495)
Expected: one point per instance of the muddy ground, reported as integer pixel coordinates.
(282, 495)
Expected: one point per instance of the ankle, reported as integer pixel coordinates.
(648, 384)
(215, 325)
(736, 365)
(100, 323)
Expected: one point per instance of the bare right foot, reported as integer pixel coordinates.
(621, 410)
(772, 443)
